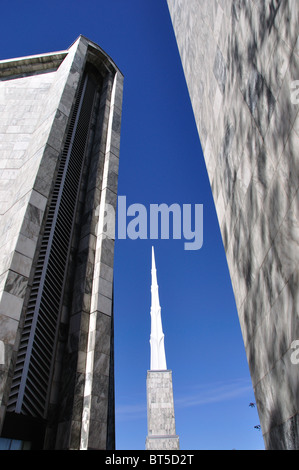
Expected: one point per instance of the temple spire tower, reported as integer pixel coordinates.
(160, 406)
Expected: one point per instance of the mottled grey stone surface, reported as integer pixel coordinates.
(36, 100)
(160, 411)
(241, 60)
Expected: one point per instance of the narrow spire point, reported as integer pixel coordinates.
(158, 359)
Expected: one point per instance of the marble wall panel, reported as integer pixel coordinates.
(29, 111)
(251, 159)
(91, 319)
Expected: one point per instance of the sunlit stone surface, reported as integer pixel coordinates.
(241, 62)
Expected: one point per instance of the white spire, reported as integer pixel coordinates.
(158, 359)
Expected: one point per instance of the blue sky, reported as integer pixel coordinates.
(160, 162)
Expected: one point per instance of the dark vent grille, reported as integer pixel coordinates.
(30, 387)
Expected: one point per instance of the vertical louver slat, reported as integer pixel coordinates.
(30, 387)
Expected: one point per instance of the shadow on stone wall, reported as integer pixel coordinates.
(263, 219)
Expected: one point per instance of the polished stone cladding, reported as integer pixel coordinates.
(37, 96)
(241, 63)
(160, 411)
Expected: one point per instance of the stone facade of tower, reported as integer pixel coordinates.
(160, 411)
(241, 63)
(59, 141)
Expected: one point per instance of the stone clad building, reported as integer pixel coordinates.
(59, 142)
(241, 63)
